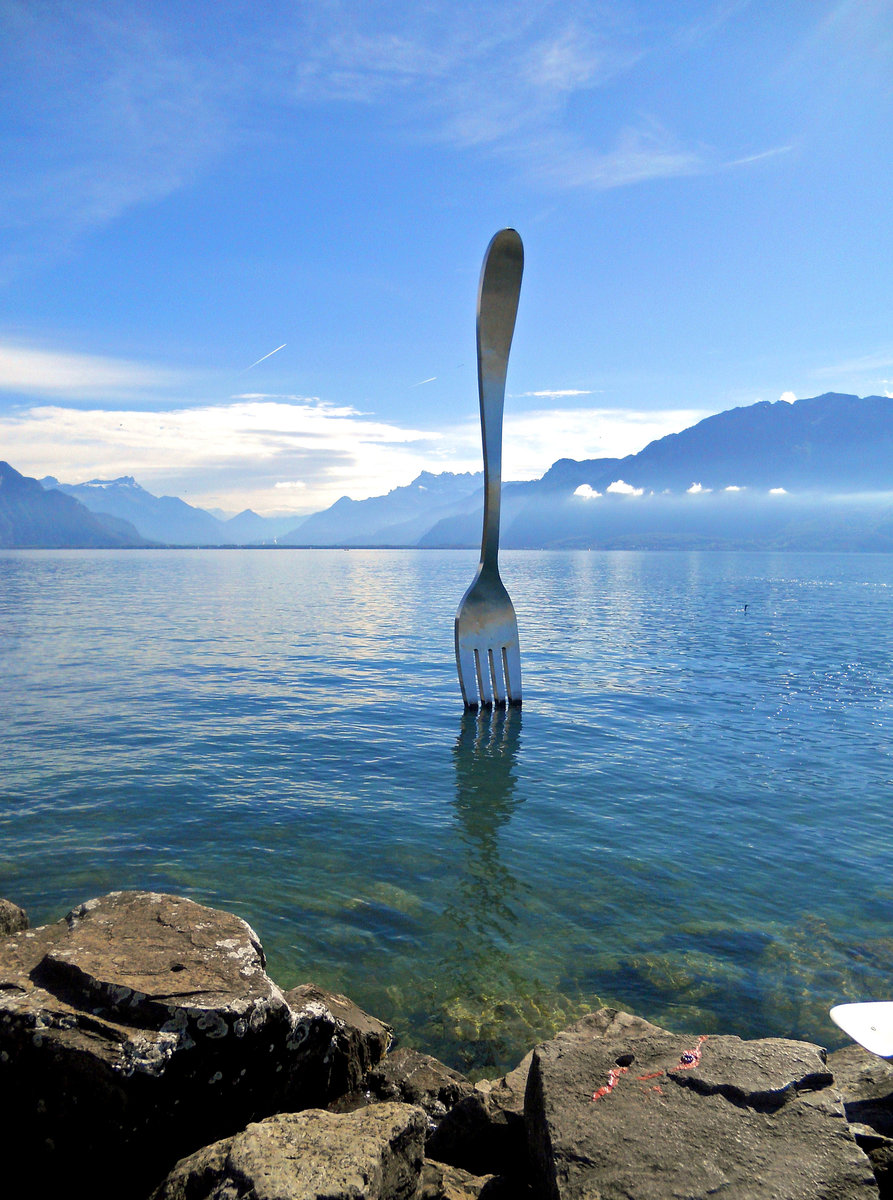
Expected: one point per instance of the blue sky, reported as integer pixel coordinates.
(702, 189)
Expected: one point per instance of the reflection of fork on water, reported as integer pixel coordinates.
(484, 758)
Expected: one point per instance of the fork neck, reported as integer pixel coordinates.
(492, 396)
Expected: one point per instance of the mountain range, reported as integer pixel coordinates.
(814, 474)
(32, 518)
(167, 519)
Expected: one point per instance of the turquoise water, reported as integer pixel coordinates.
(689, 818)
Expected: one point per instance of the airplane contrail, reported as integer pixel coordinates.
(270, 355)
(421, 381)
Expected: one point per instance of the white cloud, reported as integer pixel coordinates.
(760, 157)
(257, 450)
(224, 454)
(778, 491)
(696, 489)
(556, 394)
(733, 487)
(502, 81)
(788, 397)
(47, 372)
(587, 492)
(532, 441)
(620, 488)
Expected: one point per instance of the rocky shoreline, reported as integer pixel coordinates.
(145, 1053)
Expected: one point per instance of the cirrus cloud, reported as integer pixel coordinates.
(33, 372)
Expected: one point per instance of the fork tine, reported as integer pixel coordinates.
(467, 675)
(511, 658)
(482, 665)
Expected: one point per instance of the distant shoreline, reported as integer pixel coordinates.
(475, 549)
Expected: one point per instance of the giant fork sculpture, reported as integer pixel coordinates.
(487, 652)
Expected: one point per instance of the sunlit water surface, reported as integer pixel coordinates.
(690, 818)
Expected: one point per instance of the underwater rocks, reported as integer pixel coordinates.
(144, 1051)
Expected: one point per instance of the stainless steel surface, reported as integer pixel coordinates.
(488, 655)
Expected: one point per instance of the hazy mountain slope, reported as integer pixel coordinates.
(31, 517)
(794, 521)
(168, 519)
(399, 518)
(159, 518)
(568, 473)
(249, 527)
(464, 529)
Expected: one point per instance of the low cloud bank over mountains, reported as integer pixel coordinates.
(815, 474)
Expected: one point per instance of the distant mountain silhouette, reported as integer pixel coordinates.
(569, 473)
(167, 519)
(31, 517)
(831, 443)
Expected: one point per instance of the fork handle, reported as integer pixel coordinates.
(497, 308)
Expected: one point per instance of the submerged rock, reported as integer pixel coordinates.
(137, 1029)
(374, 1154)
(616, 1107)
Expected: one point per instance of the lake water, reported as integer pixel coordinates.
(690, 817)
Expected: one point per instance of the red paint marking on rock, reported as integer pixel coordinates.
(691, 1058)
(613, 1079)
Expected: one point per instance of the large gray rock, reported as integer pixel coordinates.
(865, 1084)
(358, 1044)
(616, 1107)
(373, 1154)
(137, 1029)
(12, 918)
